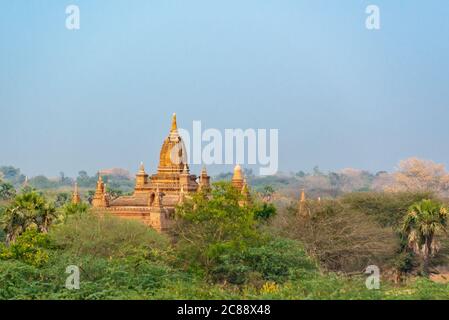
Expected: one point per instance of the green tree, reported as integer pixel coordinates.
(85, 181)
(265, 211)
(73, 209)
(214, 226)
(12, 175)
(62, 199)
(423, 221)
(42, 182)
(27, 210)
(29, 247)
(7, 191)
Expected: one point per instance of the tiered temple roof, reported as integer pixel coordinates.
(156, 196)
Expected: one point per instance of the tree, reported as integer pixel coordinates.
(423, 221)
(341, 238)
(27, 210)
(73, 209)
(214, 226)
(62, 199)
(316, 171)
(63, 180)
(420, 175)
(85, 181)
(42, 182)
(7, 191)
(12, 175)
(301, 174)
(267, 193)
(265, 211)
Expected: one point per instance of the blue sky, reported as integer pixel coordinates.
(340, 95)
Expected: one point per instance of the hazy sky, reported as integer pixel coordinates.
(340, 95)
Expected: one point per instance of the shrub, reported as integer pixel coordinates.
(106, 236)
(30, 247)
(212, 227)
(388, 209)
(220, 238)
(73, 209)
(265, 211)
(279, 259)
(340, 238)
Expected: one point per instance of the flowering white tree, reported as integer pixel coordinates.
(415, 174)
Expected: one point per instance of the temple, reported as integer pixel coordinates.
(155, 197)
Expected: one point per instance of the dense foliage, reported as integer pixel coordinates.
(219, 249)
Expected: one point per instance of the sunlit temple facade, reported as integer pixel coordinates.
(156, 196)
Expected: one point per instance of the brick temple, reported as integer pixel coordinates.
(156, 196)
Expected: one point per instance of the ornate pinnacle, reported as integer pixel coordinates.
(174, 125)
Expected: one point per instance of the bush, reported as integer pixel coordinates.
(276, 260)
(74, 209)
(106, 236)
(100, 278)
(30, 247)
(265, 211)
(219, 237)
(388, 209)
(212, 227)
(340, 238)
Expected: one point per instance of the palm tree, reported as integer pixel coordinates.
(27, 209)
(422, 222)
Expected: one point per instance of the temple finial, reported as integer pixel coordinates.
(303, 195)
(141, 167)
(174, 125)
(238, 172)
(237, 178)
(76, 199)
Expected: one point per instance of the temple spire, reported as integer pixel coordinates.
(204, 180)
(302, 203)
(76, 199)
(237, 179)
(141, 179)
(141, 168)
(303, 196)
(174, 125)
(100, 199)
(174, 134)
(245, 192)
